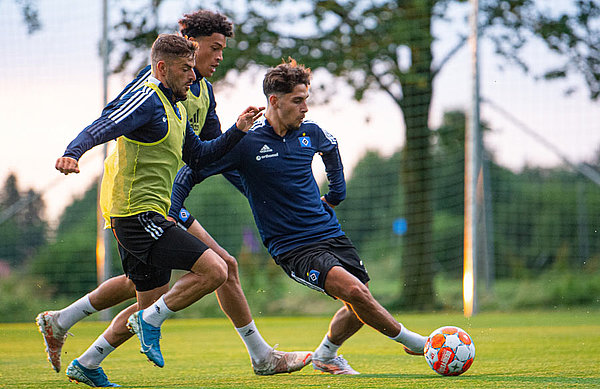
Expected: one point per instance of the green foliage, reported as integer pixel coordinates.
(387, 46)
(23, 296)
(224, 212)
(535, 216)
(22, 227)
(68, 263)
(30, 14)
(372, 203)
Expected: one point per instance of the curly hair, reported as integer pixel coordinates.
(205, 23)
(284, 77)
(169, 46)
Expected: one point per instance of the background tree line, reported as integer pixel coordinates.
(388, 47)
(542, 218)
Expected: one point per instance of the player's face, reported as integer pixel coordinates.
(210, 53)
(291, 107)
(179, 75)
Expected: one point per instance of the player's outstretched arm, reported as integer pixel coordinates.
(67, 165)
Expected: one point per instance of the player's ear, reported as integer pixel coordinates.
(161, 67)
(273, 100)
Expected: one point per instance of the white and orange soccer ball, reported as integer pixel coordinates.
(449, 351)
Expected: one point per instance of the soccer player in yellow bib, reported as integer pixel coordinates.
(210, 31)
(153, 137)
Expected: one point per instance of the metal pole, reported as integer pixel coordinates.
(103, 253)
(472, 176)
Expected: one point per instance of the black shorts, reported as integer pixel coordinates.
(309, 264)
(151, 246)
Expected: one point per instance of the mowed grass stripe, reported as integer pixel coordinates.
(514, 350)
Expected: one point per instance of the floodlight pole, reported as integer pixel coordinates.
(103, 254)
(473, 177)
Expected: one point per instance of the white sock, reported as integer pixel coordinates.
(326, 349)
(410, 339)
(93, 356)
(157, 313)
(70, 315)
(255, 344)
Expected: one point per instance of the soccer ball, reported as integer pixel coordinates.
(449, 351)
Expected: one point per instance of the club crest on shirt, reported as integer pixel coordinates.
(304, 141)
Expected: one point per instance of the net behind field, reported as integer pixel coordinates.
(541, 226)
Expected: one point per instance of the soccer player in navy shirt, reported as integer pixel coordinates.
(298, 226)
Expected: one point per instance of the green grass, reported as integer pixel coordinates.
(514, 350)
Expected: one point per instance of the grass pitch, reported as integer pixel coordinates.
(513, 350)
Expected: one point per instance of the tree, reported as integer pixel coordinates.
(73, 250)
(30, 14)
(22, 227)
(387, 46)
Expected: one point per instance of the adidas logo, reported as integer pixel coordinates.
(249, 332)
(100, 349)
(266, 149)
(157, 309)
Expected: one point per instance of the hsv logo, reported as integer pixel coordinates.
(313, 276)
(304, 141)
(183, 215)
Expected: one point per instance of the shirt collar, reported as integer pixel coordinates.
(167, 91)
(198, 76)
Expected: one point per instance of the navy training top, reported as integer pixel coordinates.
(278, 180)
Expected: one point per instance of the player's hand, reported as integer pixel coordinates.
(67, 165)
(171, 219)
(248, 117)
(325, 201)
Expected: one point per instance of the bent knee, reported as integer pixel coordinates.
(216, 269)
(232, 266)
(357, 293)
(220, 274)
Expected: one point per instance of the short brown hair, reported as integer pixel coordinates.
(284, 77)
(205, 23)
(170, 46)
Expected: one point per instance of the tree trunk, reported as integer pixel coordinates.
(417, 89)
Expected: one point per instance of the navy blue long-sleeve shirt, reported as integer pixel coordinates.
(277, 177)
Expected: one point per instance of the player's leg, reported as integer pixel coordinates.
(265, 359)
(206, 275)
(86, 368)
(343, 325)
(173, 249)
(112, 292)
(54, 325)
(345, 286)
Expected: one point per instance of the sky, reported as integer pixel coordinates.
(51, 85)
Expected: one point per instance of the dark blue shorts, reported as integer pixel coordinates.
(309, 264)
(151, 246)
